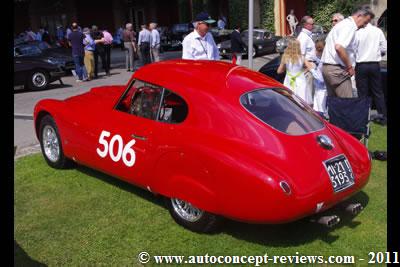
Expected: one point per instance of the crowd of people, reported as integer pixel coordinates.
(344, 65)
(88, 45)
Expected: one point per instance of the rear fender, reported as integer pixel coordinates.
(179, 175)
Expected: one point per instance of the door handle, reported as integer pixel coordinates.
(143, 138)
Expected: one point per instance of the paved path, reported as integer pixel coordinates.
(24, 101)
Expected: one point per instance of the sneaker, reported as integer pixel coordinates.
(79, 81)
(128, 70)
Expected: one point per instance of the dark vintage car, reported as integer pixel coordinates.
(318, 32)
(57, 55)
(34, 71)
(221, 35)
(271, 67)
(171, 39)
(264, 42)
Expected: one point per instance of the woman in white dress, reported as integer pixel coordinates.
(293, 62)
(319, 83)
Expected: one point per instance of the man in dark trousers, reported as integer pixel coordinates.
(144, 44)
(237, 46)
(371, 45)
(98, 38)
(75, 39)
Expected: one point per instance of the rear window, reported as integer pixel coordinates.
(281, 110)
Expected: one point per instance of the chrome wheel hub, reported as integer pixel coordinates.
(185, 210)
(38, 79)
(51, 144)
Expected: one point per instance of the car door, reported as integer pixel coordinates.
(124, 141)
(21, 68)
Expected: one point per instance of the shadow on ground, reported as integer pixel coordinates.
(281, 235)
(21, 258)
(51, 86)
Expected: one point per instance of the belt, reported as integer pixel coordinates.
(369, 62)
(332, 64)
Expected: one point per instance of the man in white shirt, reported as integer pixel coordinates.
(338, 55)
(200, 44)
(144, 44)
(307, 47)
(155, 42)
(371, 45)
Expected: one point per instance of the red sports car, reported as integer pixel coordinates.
(215, 139)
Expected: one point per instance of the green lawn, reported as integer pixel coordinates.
(83, 217)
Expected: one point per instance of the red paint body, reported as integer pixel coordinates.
(221, 158)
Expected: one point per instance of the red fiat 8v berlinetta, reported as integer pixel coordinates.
(215, 139)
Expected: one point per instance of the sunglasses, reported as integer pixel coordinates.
(334, 20)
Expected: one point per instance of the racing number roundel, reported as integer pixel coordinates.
(122, 151)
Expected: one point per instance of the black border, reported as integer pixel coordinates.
(7, 136)
(7, 149)
(393, 179)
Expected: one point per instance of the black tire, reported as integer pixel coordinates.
(59, 161)
(255, 52)
(206, 223)
(38, 80)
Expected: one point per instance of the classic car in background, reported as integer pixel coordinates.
(34, 72)
(237, 144)
(264, 42)
(220, 35)
(171, 39)
(43, 51)
(318, 32)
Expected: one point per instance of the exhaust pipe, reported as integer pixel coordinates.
(354, 208)
(328, 221)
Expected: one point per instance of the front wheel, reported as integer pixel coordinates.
(50, 143)
(38, 80)
(191, 217)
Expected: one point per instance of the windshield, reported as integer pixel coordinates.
(28, 50)
(281, 110)
(256, 35)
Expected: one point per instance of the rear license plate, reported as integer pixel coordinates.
(340, 172)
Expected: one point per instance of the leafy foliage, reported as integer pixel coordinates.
(238, 13)
(267, 15)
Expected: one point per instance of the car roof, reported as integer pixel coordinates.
(216, 78)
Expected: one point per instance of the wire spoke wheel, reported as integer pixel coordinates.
(51, 143)
(186, 211)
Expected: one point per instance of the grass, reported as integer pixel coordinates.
(80, 217)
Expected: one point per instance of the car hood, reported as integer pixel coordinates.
(49, 53)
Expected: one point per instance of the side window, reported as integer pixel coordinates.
(173, 108)
(141, 99)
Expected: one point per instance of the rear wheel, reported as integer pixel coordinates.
(38, 79)
(191, 217)
(50, 143)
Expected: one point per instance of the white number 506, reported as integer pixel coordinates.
(109, 148)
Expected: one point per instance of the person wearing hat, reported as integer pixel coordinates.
(200, 44)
